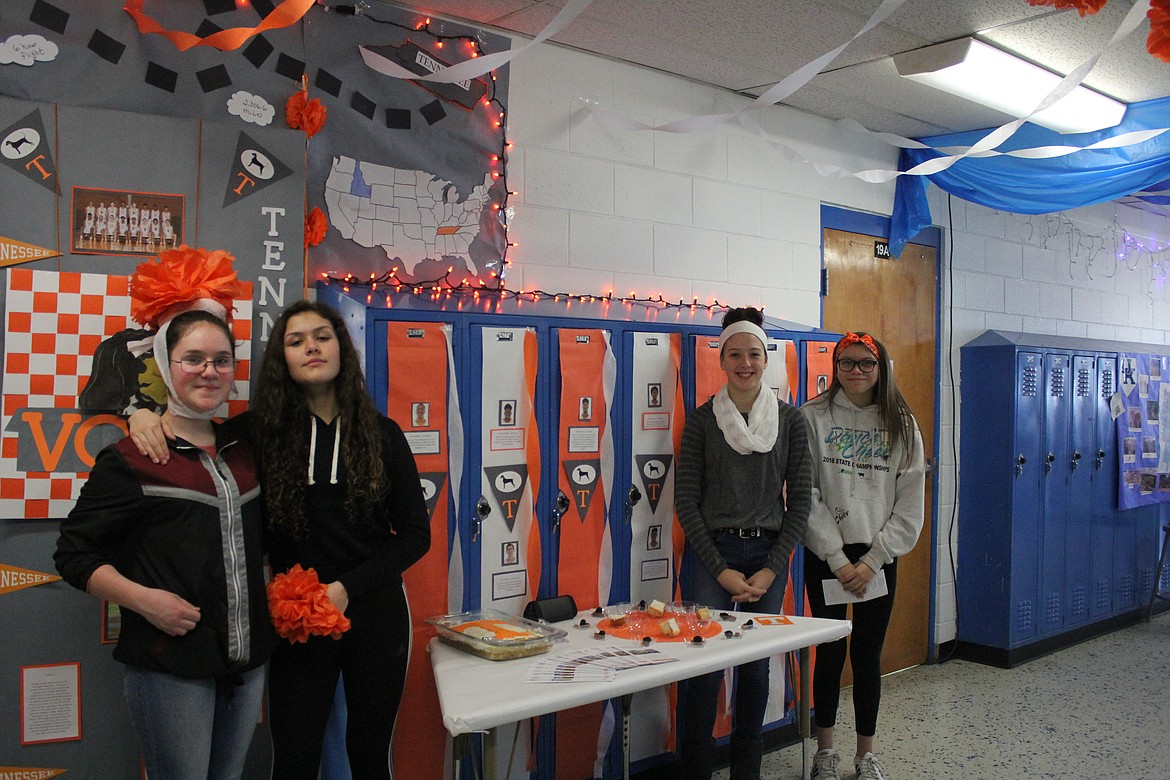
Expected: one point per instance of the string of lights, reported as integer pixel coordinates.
(491, 104)
(1086, 247)
(450, 284)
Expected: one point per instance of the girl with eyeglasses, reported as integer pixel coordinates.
(343, 497)
(868, 493)
(179, 547)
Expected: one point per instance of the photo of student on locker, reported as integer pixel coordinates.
(343, 496)
(742, 495)
(868, 493)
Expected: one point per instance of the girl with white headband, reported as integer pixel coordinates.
(742, 495)
(178, 546)
(868, 490)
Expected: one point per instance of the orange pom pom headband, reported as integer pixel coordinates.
(864, 339)
(159, 291)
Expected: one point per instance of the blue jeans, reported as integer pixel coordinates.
(193, 729)
(751, 679)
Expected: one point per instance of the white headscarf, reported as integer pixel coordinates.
(162, 357)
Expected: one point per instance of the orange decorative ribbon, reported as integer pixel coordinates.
(864, 339)
(287, 13)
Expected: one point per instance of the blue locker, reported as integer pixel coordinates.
(1045, 556)
(471, 322)
(1103, 503)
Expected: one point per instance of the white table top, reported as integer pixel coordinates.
(476, 694)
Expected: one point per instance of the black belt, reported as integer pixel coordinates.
(746, 533)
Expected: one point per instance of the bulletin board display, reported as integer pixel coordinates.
(1142, 441)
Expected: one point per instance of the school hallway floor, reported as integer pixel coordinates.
(1099, 710)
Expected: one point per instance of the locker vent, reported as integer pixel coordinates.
(1125, 589)
(1146, 583)
(1106, 384)
(1024, 617)
(1030, 386)
(1052, 608)
(1164, 585)
(1077, 607)
(1103, 595)
(1083, 384)
(1056, 383)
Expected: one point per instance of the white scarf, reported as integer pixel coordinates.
(162, 357)
(758, 432)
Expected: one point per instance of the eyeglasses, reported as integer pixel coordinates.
(848, 364)
(193, 364)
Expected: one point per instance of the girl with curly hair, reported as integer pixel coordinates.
(342, 495)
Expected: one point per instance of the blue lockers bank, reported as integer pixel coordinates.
(1046, 557)
(656, 355)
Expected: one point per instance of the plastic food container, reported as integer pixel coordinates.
(495, 635)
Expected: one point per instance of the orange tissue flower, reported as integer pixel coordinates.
(303, 113)
(1084, 7)
(315, 227)
(182, 275)
(1158, 42)
(300, 609)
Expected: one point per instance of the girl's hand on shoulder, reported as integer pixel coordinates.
(338, 595)
(149, 432)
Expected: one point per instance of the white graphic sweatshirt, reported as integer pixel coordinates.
(862, 492)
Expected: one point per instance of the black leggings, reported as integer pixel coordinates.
(371, 658)
(870, 621)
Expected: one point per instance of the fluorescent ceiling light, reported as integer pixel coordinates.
(973, 70)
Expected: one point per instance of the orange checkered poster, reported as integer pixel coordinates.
(74, 363)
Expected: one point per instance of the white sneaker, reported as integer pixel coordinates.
(868, 768)
(826, 765)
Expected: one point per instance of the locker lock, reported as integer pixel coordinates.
(1100, 457)
(1020, 461)
(1076, 459)
(1048, 461)
(633, 496)
(559, 512)
(482, 510)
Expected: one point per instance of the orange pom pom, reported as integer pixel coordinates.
(315, 227)
(300, 607)
(1084, 7)
(1158, 42)
(303, 113)
(182, 275)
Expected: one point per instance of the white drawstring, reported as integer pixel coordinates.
(312, 446)
(313, 450)
(336, 451)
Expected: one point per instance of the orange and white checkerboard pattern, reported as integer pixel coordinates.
(54, 323)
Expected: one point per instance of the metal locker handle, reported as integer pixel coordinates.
(1020, 461)
(1100, 457)
(482, 510)
(1048, 461)
(559, 512)
(633, 496)
(1076, 459)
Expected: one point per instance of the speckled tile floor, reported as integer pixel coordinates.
(1097, 711)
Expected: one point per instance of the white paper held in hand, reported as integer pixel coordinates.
(835, 593)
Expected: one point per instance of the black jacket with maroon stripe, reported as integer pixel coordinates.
(193, 527)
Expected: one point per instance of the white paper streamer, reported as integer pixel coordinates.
(984, 147)
(478, 66)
